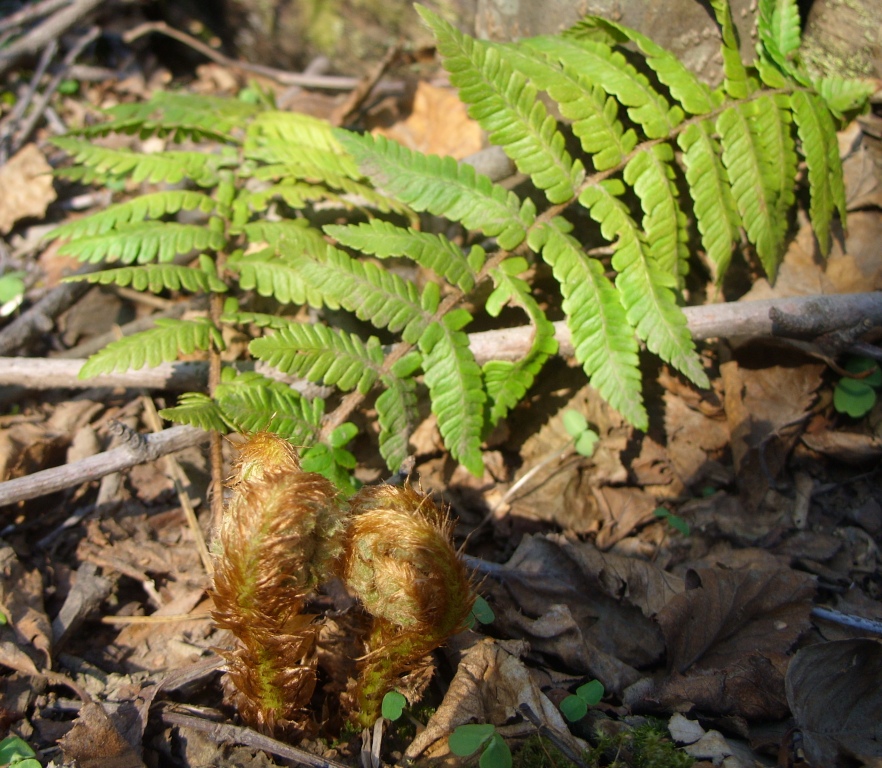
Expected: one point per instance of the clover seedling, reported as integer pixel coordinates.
(393, 705)
(857, 396)
(576, 426)
(675, 521)
(468, 739)
(481, 613)
(17, 753)
(575, 706)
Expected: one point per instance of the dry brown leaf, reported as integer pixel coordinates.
(26, 640)
(95, 742)
(835, 693)
(622, 510)
(26, 181)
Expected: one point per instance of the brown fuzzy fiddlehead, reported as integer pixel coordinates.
(281, 533)
(400, 561)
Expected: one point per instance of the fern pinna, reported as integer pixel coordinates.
(647, 129)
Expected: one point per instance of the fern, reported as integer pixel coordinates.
(642, 152)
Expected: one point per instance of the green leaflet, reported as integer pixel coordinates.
(603, 337)
(396, 413)
(736, 83)
(442, 186)
(198, 410)
(435, 252)
(454, 381)
(779, 27)
(143, 242)
(322, 354)
(263, 271)
(166, 342)
(157, 278)
(504, 102)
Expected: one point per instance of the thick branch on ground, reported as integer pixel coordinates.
(141, 449)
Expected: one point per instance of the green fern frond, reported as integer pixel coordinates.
(383, 240)
(602, 334)
(295, 194)
(323, 355)
(779, 28)
(735, 79)
(263, 271)
(198, 410)
(712, 202)
(150, 206)
(170, 167)
(284, 236)
(396, 414)
(651, 174)
(507, 382)
(260, 319)
(294, 129)
(144, 242)
(454, 381)
(443, 187)
(505, 104)
(157, 278)
(821, 150)
(845, 97)
(306, 162)
(611, 71)
(646, 292)
(773, 124)
(593, 114)
(166, 342)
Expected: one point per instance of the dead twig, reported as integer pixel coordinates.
(30, 13)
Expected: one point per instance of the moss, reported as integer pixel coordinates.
(539, 752)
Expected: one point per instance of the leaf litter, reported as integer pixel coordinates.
(713, 633)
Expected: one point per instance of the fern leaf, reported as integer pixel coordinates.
(150, 206)
(821, 150)
(454, 381)
(646, 292)
(735, 75)
(197, 410)
(144, 242)
(164, 343)
(610, 70)
(269, 275)
(295, 194)
(373, 294)
(845, 96)
(651, 174)
(293, 129)
(157, 278)
(260, 319)
(285, 236)
(396, 413)
(260, 405)
(170, 167)
(712, 201)
(443, 187)
(507, 382)
(322, 354)
(504, 102)
(754, 178)
(779, 25)
(602, 333)
(307, 162)
(593, 114)
(773, 126)
(435, 252)
(693, 95)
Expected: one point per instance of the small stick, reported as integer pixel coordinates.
(29, 12)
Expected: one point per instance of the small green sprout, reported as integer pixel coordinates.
(675, 521)
(12, 290)
(857, 396)
(17, 753)
(576, 426)
(332, 460)
(468, 739)
(481, 613)
(393, 705)
(575, 706)
(3, 620)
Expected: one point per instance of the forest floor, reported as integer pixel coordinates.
(720, 575)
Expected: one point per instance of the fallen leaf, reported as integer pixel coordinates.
(95, 742)
(26, 638)
(835, 693)
(26, 181)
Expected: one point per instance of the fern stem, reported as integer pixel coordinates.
(216, 446)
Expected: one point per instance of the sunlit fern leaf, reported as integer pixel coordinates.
(269, 275)
(157, 278)
(322, 355)
(610, 70)
(373, 294)
(263, 406)
(712, 202)
(593, 113)
(434, 252)
(779, 28)
(169, 167)
(602, 334)
(751, 183)
(144, 242)
(693, 95)
(821, 150)
(735, 74)
(197, 410)
(295, 194)
(646, 292)
(844, 97)
(504, 102)
(443, 187)
(396, 414)
(307, 162)
(773, 127)
(260, 319)
(507, 382)
(150, 206)
(285, 236)
(651, 174)
(454, 381)
(295, 129)
(164, 343)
